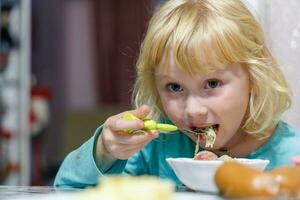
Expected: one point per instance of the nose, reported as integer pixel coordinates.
(196, 107)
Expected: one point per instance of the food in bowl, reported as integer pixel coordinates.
(208, 155)
(199, 175)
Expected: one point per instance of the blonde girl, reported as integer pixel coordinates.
(203, 63)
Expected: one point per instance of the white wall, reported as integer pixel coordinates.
(80, 55)
(283, 28)
(281, 21)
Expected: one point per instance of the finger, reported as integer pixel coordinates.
(119, 124)
(142, 111)
(118, 150)
(124, 151)
(135, 138)
(133, 148)
(154, 133)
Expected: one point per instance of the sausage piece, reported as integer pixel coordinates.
(238, 180)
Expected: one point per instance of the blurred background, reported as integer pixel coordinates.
(66, 65)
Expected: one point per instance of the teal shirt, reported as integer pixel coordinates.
(79, 168)
(281, 147)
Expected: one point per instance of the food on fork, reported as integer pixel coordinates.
(209, 133)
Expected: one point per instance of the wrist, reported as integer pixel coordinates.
(104, 159)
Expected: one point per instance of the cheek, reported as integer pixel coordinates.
(236, 103)
(234, 110)
(173, 110)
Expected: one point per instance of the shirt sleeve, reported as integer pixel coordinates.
(137, 165)
(79, 169)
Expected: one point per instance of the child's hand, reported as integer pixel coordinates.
(122, 145)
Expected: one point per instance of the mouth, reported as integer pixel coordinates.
(207, 134)
(203, 130)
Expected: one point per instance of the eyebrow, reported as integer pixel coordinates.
(163, 76)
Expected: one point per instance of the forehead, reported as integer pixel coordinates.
(195, 67)
(171, 68)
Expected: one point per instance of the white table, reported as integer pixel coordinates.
(49, 193)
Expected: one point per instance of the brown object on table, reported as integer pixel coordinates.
(289, 179)
(238, 180)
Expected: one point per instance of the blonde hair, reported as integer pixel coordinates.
(204, 35)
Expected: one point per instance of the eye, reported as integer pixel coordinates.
(213, 83)
(174, 87)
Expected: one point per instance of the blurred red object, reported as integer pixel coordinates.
(39, 114)
(39, 119)
(296, 160)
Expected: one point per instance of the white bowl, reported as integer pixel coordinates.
(199, 175)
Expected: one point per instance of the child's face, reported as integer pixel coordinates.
(219, 98)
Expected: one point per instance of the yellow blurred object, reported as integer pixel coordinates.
(149, 124)
(238, 180)
(120, 187)
(289, 180)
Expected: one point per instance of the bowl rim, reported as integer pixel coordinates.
(177, 163)
(211, 162)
